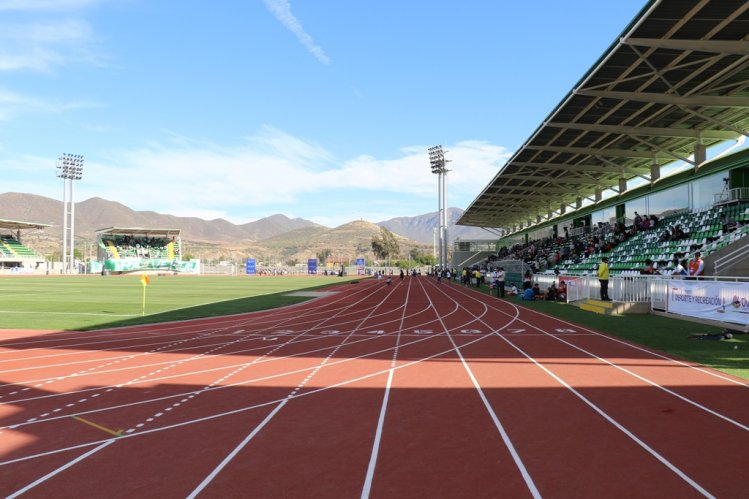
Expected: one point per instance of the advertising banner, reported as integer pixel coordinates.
(360, 266)
(312, 266)
(250, 266)
(719, 301)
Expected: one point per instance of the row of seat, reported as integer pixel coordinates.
(10, 247)
(704, 232)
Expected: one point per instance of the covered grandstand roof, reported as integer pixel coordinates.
(139, 231)
(676, 81)
(14, 225)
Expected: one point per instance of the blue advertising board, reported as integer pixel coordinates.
(250, 266)
(312, 266)
(360, 266)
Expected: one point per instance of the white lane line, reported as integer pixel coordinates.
(497, 423)
(378, 437)
(369, 477)
(59, 470)
(242, 383)
(191, 373)
(600, 411)
(649, 352)
(208, 479)
(246, 408)
(616, 424)
(629, 372)
(294, 393)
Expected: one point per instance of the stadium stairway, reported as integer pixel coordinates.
(612, 307)
(7, 249)
(113, 249)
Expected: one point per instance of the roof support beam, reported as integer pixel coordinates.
(557, 180)
(712, 46)
(591, 151)
(677, 100)
(582, 168)
(634, 131)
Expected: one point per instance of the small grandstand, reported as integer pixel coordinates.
(14, 255)
(123, 250)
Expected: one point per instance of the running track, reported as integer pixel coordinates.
(409, 390)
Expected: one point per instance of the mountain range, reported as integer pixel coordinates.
(276, 235)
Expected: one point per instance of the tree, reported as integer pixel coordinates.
(323, 255)
(385, 245)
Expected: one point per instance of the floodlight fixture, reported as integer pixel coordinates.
(69, 169)
(438, 164)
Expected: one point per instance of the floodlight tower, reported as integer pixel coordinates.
(439, 167)
(69, 168)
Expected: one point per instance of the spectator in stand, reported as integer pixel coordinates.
(638, 219)
(653, 221)
(679, 267)
(645, 224)
(649, 268)
(665, 236)
(728, 224)
(696, 265)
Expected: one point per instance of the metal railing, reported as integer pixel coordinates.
(737, 194)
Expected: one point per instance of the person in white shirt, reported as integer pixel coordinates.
(679, 269)
(501, 282)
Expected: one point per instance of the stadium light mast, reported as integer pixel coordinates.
(69, 168)
(438, 164)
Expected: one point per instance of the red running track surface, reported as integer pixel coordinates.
(409, 390)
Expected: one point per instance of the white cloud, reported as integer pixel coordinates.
(43, 46)
(281, 10)
(266, 174)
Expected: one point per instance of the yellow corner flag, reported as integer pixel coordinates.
(145, 281)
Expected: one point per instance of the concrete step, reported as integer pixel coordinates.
(594, 308)
(613, 308)
(600, 303)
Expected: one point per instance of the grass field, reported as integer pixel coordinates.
(89, 302)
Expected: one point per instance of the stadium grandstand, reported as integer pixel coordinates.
(14, 255)
(643, 161)
(124, 250)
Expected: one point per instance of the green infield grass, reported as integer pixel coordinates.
(93, 302)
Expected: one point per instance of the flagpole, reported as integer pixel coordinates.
(144, 300)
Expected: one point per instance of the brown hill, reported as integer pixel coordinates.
(345, 242)
(276, 238)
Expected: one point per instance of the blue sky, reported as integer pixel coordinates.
(321, 109)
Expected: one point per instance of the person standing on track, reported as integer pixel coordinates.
(501, 282)
(603, 278)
